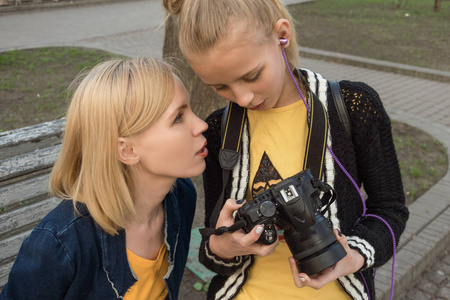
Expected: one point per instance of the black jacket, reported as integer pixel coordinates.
(368, 155)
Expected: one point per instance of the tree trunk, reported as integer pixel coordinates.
(398, 4)
(437, 5)
(203, 99)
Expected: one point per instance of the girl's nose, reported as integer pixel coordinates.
(243, 97)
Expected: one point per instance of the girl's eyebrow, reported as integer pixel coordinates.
(256, 69)
(177, 109)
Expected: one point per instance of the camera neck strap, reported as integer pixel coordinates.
(317, 138)
(232, 127)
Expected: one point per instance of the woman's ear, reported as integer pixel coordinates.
(283, 30)
(126, 152)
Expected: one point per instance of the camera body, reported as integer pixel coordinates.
(293, 205)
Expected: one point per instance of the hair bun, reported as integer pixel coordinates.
(173, 6)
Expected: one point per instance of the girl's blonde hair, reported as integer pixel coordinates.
(203, 22)
(117, 98)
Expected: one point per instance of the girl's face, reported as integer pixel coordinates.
(248, 71)
(173, 146)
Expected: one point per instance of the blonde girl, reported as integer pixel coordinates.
(123, 228)
(244, 50)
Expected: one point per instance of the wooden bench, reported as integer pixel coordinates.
(26, 158)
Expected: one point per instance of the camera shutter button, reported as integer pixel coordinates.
(267, 209)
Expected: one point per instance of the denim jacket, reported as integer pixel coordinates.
(68, 256)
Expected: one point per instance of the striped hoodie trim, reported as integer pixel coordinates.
(221, 262)
(319, 86)
(353, 287)
(234, 282)
(365, 249)
(241, 171)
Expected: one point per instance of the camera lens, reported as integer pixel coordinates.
(316, 248)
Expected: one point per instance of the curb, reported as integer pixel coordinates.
(427, 233)
(346, 59)
(50, 5)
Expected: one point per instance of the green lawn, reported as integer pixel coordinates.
(411, 34)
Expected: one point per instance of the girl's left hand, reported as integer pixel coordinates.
(351, 263)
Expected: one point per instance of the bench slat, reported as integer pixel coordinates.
(27, 139)
(26, 156)
(26, 215)
(30, 162)
(24, 190)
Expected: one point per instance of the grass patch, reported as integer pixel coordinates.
(407, 32)
(33, 83)
(422, 158)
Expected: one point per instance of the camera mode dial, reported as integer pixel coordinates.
(267, 209)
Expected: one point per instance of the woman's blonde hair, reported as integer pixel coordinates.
(203, 22)
(117, 98)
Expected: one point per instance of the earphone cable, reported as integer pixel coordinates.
(353, 182)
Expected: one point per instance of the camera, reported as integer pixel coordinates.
(293, 205)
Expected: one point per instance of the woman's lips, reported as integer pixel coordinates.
(203, 152)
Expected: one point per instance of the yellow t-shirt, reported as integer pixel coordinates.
(150, 274)
(277, 145)
(277, 150)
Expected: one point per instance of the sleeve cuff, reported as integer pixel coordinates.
(366, 250)
(220, 261)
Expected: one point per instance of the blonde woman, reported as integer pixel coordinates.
(123, 229)
(246, 50)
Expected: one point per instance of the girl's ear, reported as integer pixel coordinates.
(283, 30)
(126, 152)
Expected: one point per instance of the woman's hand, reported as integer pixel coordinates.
(351, 263)
(230, 245)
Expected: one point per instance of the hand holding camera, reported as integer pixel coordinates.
(294, 205)
(350, 264)
(237, 243)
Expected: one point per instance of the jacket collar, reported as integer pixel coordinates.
(171, 225)
(114, 257)
(115, 262)
(114, 254)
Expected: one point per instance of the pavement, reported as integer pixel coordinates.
(416, 96)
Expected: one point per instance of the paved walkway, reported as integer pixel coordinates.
(135, 28)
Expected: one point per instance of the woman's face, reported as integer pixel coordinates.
(247, 71)
(173, 146)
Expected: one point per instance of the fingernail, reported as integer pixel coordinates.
(302, 279)
(259, 229)
(240, 201)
